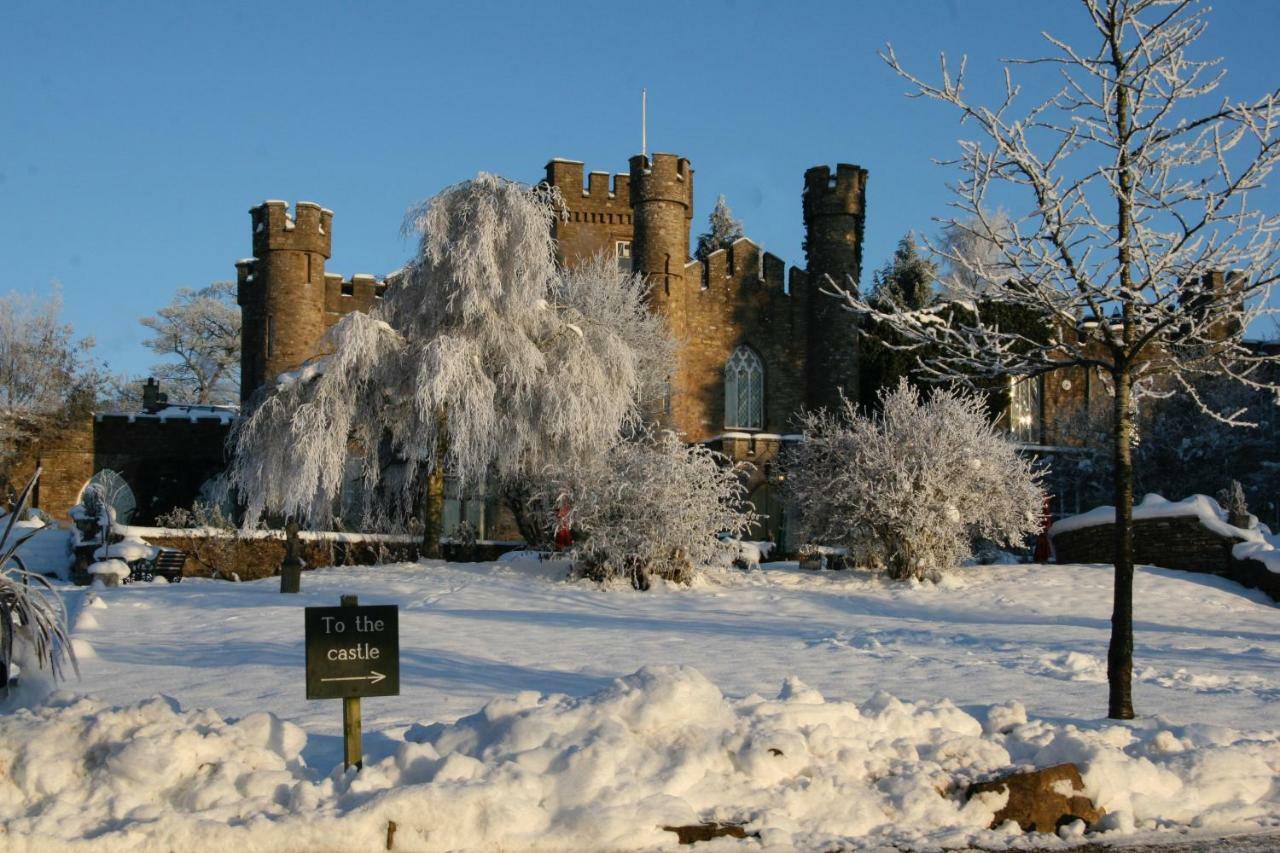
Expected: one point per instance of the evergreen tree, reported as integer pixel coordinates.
(724, 229)
(905, 281)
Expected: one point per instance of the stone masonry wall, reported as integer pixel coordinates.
(596, 217)
(254, 558)
(164, 460)
(737, 297)
(1180, 542)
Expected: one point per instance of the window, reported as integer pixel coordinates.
(744, 390)
(1024, 409)
(622, 251)
(463, 513)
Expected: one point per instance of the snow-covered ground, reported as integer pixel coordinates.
(998, 666)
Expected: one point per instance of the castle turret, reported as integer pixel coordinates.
(834, 212)
(281, 290)
(662, 201)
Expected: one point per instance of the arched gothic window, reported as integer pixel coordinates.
(744, 390)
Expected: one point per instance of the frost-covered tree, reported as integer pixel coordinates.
(485, 359)
(722, 230)
(201, 330)
(1130, 192)
(46, 377)
(906, 280)
(652, 505)
(971, 237)
(42, 363)
(910, 488)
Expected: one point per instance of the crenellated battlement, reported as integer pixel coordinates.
(358, 293)
(567, 175)
(662, 177)
(308, 229)
(742, 263)
(841, 193)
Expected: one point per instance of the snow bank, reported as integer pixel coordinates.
(117, 569)
(660, 747)
(1257, 542)
(48, 551)
(128, 549)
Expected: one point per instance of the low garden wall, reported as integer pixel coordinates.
(1182, 542)
(220, 553)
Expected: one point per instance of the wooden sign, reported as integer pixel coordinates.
(353, 652)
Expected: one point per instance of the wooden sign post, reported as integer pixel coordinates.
(352, 652)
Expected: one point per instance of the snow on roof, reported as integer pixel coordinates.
(193, 413)
(1256, 543)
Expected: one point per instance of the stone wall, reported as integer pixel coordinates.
(737, 297)
(260, 557)
(596, 217)
(66, 455)
(165, 460)
(1180, 542)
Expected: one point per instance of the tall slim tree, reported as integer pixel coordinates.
(1134, 197)
(722, 230)
(907, 279)
(201, 330)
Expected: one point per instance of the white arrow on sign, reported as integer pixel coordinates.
(373, 678)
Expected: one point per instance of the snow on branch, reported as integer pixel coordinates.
(1136, 237)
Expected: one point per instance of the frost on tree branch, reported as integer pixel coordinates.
(910, 488)
(651, 505)
(484, 356)
(1138, 231)
(1130, 193)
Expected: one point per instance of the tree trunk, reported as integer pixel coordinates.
(432, 515)
(516, 496)
(291, 568)
(1120, 652)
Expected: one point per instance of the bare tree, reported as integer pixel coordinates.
(42, 364)
(1134, 201)
(201, 328)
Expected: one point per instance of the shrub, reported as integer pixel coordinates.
(33, 621)
(908, 490)
(651, 505)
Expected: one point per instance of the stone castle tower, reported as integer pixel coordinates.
(287, 300)
(737, 310)
(834, 213)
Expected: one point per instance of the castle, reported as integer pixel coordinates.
(756, 341)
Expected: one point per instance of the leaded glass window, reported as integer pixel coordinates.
(1024, 409)
(744, 390)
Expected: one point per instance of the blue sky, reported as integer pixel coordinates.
(135, 136)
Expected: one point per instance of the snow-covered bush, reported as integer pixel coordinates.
(652, 505)
(485, 358)
(910, 488)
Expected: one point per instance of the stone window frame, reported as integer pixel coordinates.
(744, 367)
